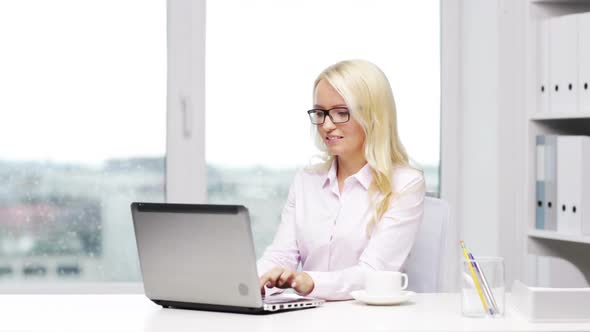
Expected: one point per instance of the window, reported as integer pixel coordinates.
(262, 57)
(83, 129)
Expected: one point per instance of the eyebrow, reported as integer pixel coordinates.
(334, 106)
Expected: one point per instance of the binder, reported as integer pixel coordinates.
(566, 185)
(543, 66)
(540, 183)
(585, 187)
(550, 211)
(563, 64)
(573, 185)
(584, 63)
(581, 200)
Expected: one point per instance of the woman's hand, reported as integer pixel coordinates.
(285, 278)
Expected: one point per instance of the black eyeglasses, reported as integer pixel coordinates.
(337, 115)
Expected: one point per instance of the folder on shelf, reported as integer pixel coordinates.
(573, 185)
(540, 183)
(550, 211)
(584, 63)
(563, 64)
(543, 66)
(584, 198)
(567, 182)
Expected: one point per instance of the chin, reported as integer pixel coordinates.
(335, 152)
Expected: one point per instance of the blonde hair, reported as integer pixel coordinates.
(368, 95)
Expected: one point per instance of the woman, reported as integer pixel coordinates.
(359, 210)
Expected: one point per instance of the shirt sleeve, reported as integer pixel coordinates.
(387, 249)
(283, 251)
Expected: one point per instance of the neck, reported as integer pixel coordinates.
(349, 166)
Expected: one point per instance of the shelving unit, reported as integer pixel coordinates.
(553, 116)
(574, 249)
(550, 235)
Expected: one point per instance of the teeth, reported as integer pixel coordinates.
(334, 137)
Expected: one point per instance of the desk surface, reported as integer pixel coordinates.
(428, 312)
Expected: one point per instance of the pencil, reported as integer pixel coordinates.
(486, 287)
(475, 280)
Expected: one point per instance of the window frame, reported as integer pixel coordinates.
(185, 127)
(185, 172)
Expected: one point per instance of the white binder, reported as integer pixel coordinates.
(540, 183)
(584, 63)
(550, 182)
(563, 64)
(573, 183)
(543, 66)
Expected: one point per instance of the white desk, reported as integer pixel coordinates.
(428, 312)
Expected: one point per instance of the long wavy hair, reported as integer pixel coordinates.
(369, 98)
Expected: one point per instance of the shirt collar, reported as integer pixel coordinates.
(364, 176)
(331, 175)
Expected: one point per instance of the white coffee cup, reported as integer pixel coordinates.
(385, 283)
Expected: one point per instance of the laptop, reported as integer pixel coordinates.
(201, 256)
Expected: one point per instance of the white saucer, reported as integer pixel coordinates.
(361, 295)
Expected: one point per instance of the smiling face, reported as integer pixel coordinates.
(344, 140)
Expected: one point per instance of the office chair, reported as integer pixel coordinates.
(424, 264)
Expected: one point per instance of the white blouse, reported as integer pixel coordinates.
(325, 229)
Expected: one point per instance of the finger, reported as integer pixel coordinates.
(289, 282)
(263, 280)
(302, 283)
(296, 282)
(272, 277)
(285, 279)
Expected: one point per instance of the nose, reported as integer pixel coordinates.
(328, 125)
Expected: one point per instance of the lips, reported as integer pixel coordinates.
(333, 139)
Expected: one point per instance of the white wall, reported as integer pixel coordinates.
(511, 136)
(481, 84)
(479, 104)
(470, 128)
(450, 131)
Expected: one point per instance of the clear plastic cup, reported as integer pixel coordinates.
(487, 300)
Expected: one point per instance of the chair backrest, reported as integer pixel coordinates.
(424, 264)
